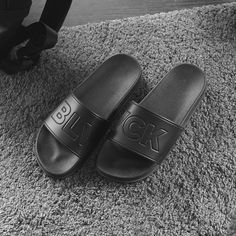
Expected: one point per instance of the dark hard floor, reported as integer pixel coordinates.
(84, 11)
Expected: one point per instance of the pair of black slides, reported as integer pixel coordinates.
(139, 140)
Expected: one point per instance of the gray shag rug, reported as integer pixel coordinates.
(193, 192)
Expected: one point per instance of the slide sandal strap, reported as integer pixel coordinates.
(75, 126)
(145, 133)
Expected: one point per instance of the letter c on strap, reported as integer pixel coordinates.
(133, 127)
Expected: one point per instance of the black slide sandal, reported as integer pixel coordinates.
(75, 128)
(147, 131)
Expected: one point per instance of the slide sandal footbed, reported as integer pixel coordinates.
(147, 131)
(73, 130)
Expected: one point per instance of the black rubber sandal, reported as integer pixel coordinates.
(147, 131)
(75, 128)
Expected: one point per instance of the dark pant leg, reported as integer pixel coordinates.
(54, 13)
(12, 13)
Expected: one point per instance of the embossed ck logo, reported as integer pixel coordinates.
(61, 113)
(145, 134)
